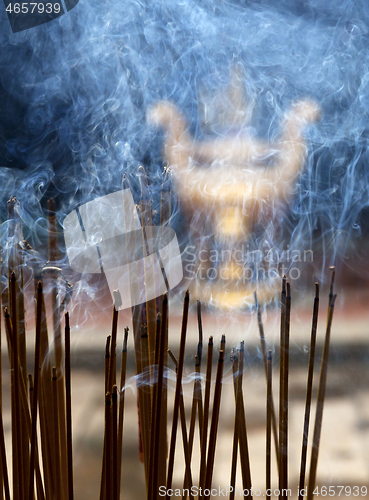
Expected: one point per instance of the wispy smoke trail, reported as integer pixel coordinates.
(75, 92)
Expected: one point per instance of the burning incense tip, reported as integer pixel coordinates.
(107, 346)
(126, 330)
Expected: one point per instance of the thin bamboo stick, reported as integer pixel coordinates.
(309, 391)
(115, 442)
(157, 458)
(46, 423)
(165, 219)
(145, 402)
(123, 368)
(58, 346)
(22, 397)
(232, 482)
(321, 394)
(214, 423)
(108, 442)
(113, 349)
(243, 441)
(57, 457)
(281, 478)
(178, 390)
(68, 393)
(209, 366)
(198, 369)
(268, 481)
(35, 390)
(107, 374)
(285, 354)
(182, 415)
(194, 406)
(19, 487)
(4, 467)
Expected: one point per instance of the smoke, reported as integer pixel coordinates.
(75, 94)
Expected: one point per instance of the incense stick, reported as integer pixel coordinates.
(321, 394)
(214, 423)
(35, 390)
(123, 368)
(58, 346)
(156, 457)
(178, 390)
(232, 482)
(115, 443)
(68, 393)
(55, 404)
(243, 441)
(284, 391)
(309, 390)
(281, 479)
(209, 366)
(182, 414)
(268, 481)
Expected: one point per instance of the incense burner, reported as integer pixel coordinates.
(229, 185)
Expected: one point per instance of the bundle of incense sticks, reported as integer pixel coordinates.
(41, 412)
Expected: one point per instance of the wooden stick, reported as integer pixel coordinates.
(178, 390)
(115, 443)
(68, 393)
(113, 349)
(182, 414)
(46, 423)
(123, 368)
(4, 466)
(214, 423)
(56, 429)
(194, 406)
(107, 375)
(154, 379)
(18, 487)
(209, 366)
(284, 388)
(243, 441)
(157, 458)
(265, 361)
(22, 396)
(321, 394)
(165, 218)
(145, 402)
(232, 482)
(281, 478)
(198, 369)
(269, 407)
(309, 391)
(107, 362)
(108, 442)
(58, 347)
(35, 390)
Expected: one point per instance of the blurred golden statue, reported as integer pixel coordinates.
(234, 182)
